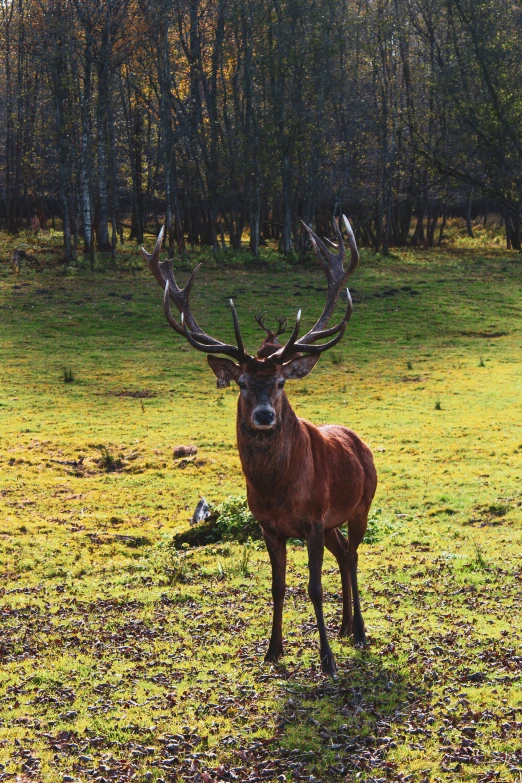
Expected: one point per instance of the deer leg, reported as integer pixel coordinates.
(337, 544)
(356, 530)
(277, 551)
(315, 591)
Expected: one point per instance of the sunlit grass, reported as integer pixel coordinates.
(103, 619)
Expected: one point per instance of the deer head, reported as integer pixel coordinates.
(270, 344)
(261, 379)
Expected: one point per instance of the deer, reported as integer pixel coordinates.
(270, 344)
(303, 481)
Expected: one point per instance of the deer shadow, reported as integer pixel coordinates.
(332, 728)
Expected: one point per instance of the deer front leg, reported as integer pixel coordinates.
(315, 591)
(277, 550)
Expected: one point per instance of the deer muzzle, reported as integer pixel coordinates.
(263, 417)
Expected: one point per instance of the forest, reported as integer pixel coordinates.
(137, 595)
(235, 120)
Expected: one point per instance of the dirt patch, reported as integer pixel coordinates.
(484, 335)
(142, 394)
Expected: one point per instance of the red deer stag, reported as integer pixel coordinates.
(302, 481)
(270, 344)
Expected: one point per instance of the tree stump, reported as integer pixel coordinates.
(16, 259)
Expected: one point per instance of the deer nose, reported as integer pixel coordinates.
(264, 417)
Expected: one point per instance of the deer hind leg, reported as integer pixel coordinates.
(356, 530)
(277, 550)
(337, 544)
(315, 591)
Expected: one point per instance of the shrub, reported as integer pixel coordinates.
(108, 461)
(231, 520)
(378, 527)
(234, 520)
(173, 564)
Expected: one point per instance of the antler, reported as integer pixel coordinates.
(336, 275)
(282, 326)
(189, 327)
(260, 319)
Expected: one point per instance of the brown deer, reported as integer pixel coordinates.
(270, 344)
(302, 481)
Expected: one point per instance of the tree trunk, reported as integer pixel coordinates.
(443, 224)
(137, 222)
(469, 224)
(102, 224)
(85, 196)
(286, 232)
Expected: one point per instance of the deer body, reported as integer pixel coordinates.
(306, 474)
(302, 481)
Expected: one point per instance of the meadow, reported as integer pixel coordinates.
(123, 657)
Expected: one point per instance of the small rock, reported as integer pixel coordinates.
(476, 677)
(67, 779)
(185, 451)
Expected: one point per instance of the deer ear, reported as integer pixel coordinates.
(224, 370)
(299, 366)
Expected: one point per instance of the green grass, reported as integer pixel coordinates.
(120, 653)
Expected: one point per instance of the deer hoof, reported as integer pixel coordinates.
(328, 665)
(273, 654)
(346, 630)
(359, 635)
(360, 640)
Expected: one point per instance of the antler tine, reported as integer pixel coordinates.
(282, 326)
(354, 260)
(237, 331)
(163, 272)
(289, 347)
(228, 350)
(299, 347)
(153, 259)
(260, 319)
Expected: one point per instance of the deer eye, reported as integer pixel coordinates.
(280, 384)
(241, 384)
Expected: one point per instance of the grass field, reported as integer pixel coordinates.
(122, 658)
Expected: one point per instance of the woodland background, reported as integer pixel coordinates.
(240, 118)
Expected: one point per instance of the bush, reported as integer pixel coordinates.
(234, 520)
(231, 520)
(107, 461)
(378, 527)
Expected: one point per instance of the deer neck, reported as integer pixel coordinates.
(268, 457)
